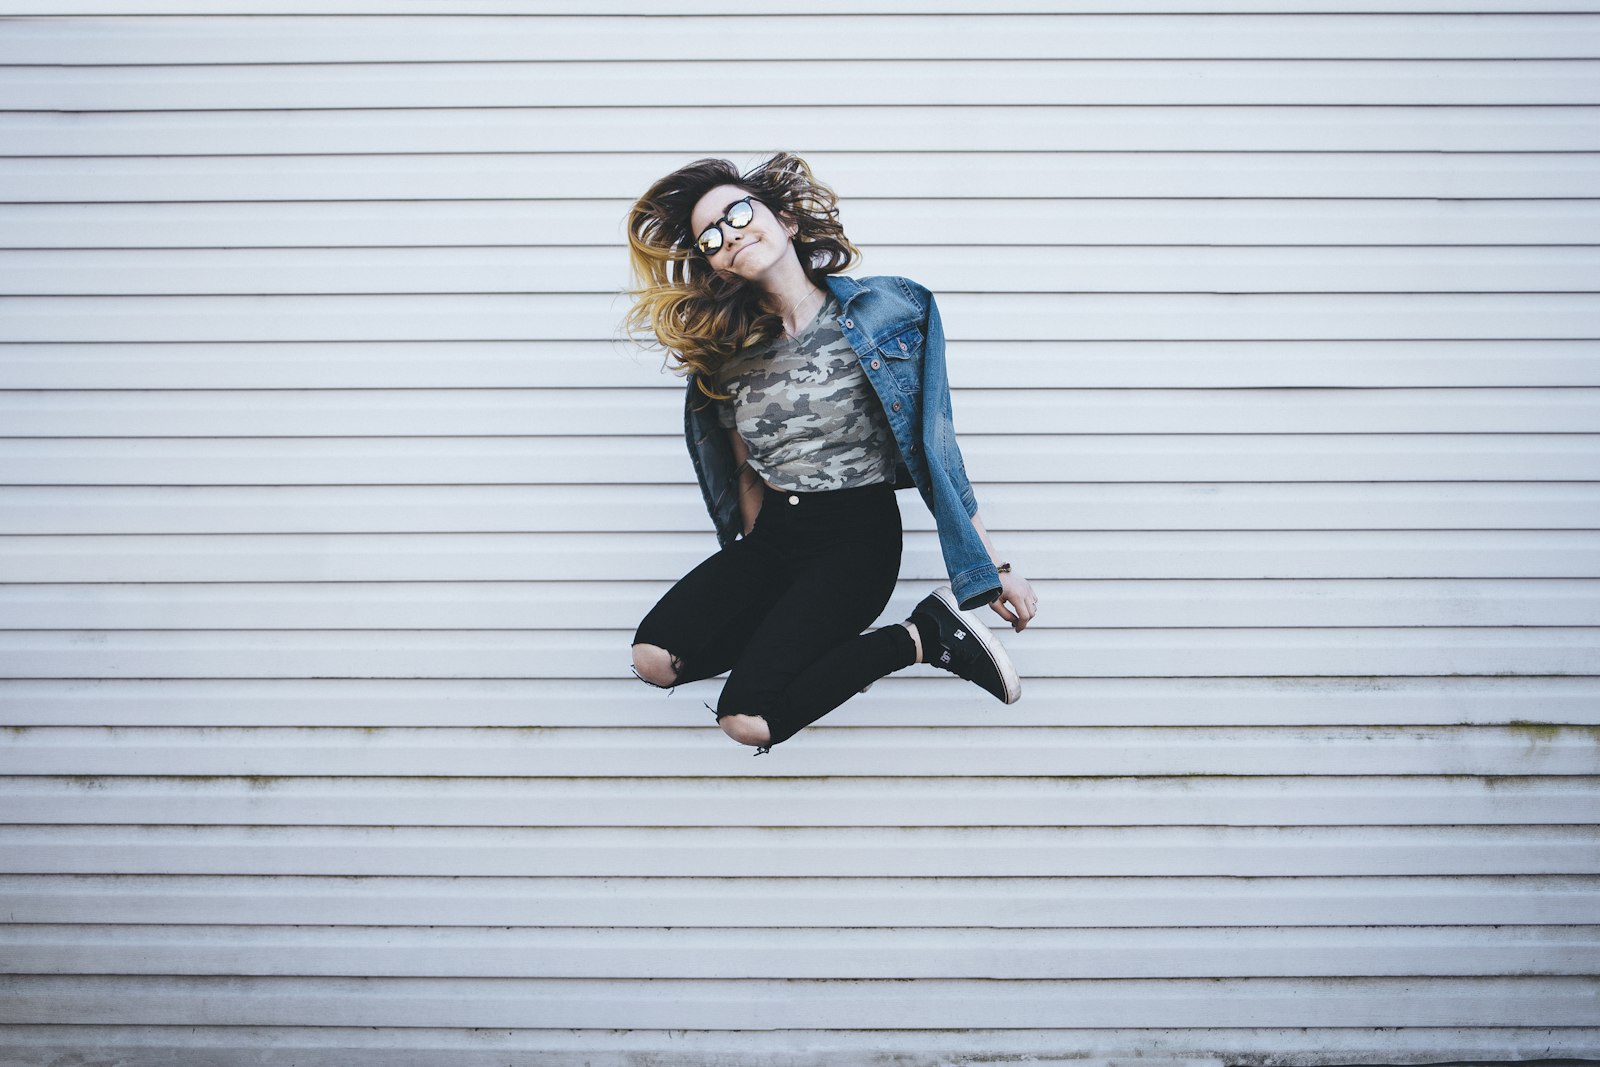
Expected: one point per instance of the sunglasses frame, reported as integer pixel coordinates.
(716, 227)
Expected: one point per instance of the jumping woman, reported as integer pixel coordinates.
(811, 398)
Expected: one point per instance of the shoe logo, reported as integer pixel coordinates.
(944, 657)
(961, 635)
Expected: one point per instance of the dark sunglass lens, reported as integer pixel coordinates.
(740, 214)
(709, 241)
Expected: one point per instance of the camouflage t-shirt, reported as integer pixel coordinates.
(807, 412)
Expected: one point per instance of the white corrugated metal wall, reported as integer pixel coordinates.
(330, 498)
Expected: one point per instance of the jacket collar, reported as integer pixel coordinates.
(845, 289)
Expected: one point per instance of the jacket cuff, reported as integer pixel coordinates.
(976, 587)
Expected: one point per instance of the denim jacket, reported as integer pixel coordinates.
(893, 324)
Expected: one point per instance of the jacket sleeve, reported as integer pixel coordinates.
(938, 412)
(973, 576)
(714, 465)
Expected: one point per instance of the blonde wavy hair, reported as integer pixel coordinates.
(702, 318)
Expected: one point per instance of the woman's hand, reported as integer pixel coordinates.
(1017, 603)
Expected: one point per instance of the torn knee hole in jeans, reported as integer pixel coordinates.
(761, 750)
(677, 672)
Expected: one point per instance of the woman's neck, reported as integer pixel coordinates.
(804, 309)
(796, 305)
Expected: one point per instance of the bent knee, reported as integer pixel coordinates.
(746, 729)
(654, 664)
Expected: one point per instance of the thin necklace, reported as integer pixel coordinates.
(795, 308)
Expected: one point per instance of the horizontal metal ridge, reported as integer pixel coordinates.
(1136, 174)
(1065, 902)
(765, 1004)
(1001, 800)
(802, 953)
(686, 744)
(760, 851)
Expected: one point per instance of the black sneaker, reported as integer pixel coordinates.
(957, 641)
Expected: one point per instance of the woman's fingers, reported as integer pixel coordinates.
(1017, 603)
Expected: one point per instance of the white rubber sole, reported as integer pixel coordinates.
(991, 645)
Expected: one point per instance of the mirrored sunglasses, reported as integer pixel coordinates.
(739, 214)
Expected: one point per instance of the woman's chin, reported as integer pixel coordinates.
(754, 263)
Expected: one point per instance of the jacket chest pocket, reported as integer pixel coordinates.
(902, 354)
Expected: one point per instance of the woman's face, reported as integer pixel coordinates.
(750, 252)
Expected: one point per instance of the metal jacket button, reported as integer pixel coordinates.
(848, 324)
(896, 405)
(794, 500)
(875, 364)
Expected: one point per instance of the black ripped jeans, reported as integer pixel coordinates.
(784, 608)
